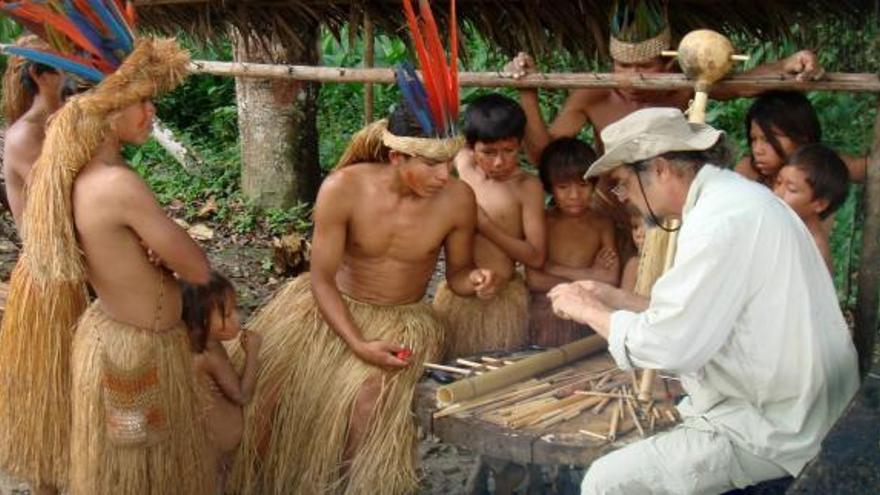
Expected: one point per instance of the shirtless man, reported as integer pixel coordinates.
(510, 230)
(344, 345)
(135, 411)
(41, 85)
(580, 241)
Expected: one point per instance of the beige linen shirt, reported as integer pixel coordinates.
(748, 316)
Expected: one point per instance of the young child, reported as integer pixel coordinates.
(510, 230)
(210, 314)
(580, 241)
(777, 123)
(814, 184)
(631, 267)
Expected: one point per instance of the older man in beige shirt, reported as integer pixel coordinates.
(747, 316)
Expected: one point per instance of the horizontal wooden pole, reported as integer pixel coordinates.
(836, 81)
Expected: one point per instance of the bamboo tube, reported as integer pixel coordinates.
(632, 413)
(833, 81)
(450, 369)
(615, 420)
(529, 367)
(598, 409)
(594, 435)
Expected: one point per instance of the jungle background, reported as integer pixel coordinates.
(239, 236)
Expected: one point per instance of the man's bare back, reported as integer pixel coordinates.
(116, 216)
(503, 203)
(391, 241)
(23, 142)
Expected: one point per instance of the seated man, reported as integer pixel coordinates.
(814, 183)
(343, 346)
(747, 316)
(510, 229)
(580, 241)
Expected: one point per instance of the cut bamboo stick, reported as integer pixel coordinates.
(450, 369)
(615, 420)
(594, 435)
(470, 364)
(632, 413)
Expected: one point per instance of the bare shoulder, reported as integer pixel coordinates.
(458, 198)
(529, 186)
(116, 185)
(21, 147)
(584, 98)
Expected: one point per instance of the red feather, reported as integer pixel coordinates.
(424, 63)
(37, 13)
(83, 7)
(438, 60)
(453, 61)
(130, 14)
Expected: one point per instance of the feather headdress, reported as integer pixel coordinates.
(435, 102)
(89, 39)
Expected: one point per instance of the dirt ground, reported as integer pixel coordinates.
(246, 260)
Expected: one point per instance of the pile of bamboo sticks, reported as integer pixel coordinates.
(537, 404)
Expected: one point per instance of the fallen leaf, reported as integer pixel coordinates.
(208, 209)
(183, 223)
(201, 232)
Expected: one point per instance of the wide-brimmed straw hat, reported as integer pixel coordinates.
(648, 133)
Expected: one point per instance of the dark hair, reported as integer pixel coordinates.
(27, 82)
(565, 159)
(788, 111)
(198, 303)
(493, 117)
(826, 174)
(401, 122)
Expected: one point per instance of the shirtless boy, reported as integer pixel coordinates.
(510, 230)
(580, 241)
(344, 344)
(31, 93)
(814, 183)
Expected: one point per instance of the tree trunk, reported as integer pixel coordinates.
(277, 122)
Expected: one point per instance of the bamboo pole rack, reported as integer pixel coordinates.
(836, 81)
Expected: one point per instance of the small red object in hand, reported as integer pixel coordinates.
(404, 354)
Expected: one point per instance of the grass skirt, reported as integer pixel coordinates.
(35, 379)
(296, 426)
(137, 424)
(475, 325)
(548, 330)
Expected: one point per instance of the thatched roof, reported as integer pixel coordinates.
(580, 26)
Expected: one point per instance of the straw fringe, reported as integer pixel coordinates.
(72, 137)
(306, 391)
(35, 378)
(180, 462)
(14, 99)
(548, 330)
(366, 146)
(475, 325)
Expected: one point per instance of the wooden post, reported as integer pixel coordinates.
(869, 263)
(369, 54)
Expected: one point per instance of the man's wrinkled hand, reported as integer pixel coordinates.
(519, 66)
(804, 65)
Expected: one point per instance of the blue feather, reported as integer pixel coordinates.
(415, 96)
(119, 32)
(58, 62)
(85, 27)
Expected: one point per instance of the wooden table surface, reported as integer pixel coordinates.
(558, 444)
